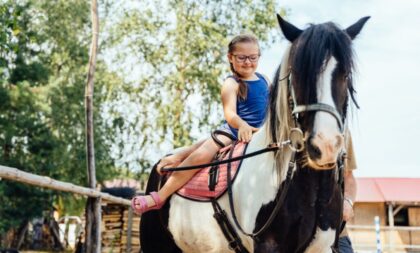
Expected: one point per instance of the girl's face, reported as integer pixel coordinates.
(244, 58)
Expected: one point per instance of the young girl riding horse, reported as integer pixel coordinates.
(244, 98)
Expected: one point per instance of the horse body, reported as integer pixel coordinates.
(315, 73)
(309, 217)
(192, 224)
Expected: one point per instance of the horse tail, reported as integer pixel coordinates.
(154, 235)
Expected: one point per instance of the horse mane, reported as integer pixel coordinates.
(305, 59)
(310, 52)
(279, 117)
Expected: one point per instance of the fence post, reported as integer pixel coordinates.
(378, 235)
(129, 229)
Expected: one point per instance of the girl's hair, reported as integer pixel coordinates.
(243, 38)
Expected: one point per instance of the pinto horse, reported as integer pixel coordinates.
(309, 101)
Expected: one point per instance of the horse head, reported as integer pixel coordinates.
(317, 77)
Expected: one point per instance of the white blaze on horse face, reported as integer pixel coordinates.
(327, 135)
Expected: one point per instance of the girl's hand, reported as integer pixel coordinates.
(170, 161)
(245, 132)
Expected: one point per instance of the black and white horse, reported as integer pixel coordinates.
(311, 92)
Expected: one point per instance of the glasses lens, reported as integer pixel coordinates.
(241, 58)
(253, 58)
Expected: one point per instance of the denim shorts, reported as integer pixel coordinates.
(225, 128)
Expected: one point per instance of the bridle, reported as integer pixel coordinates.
(295, 108)
(295, 143)
(297, 137)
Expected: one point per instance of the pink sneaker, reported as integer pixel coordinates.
(143, 203)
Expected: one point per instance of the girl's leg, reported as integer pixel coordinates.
(204, 154)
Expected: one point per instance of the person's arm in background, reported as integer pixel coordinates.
(350, 185)
(350, 189)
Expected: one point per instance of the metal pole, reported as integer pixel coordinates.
(378, 235)
(391, 226)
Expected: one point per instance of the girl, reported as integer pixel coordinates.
(244, 98)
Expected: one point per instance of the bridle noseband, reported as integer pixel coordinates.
(296, 144)
(295, 108)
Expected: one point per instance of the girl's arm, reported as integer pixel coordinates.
(229, 96)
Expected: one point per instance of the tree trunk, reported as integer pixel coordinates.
(93, 213)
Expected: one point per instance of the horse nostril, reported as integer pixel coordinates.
(313, 151)
(330, 165)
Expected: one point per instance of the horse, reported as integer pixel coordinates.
(289, 200)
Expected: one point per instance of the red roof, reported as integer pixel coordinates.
(388, 190)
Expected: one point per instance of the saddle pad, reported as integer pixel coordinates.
(198, 189)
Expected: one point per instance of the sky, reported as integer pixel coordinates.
(386, 128)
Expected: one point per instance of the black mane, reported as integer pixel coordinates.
(309, 52)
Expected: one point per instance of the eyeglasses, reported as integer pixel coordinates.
(242, 58)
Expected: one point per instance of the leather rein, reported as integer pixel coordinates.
(295, 143)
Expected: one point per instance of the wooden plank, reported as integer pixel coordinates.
(46, 182)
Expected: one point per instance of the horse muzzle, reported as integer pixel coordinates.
(323, 150)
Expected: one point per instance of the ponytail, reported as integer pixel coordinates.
(243, 87)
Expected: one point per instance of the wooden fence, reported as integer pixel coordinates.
(14, 174)
(393, 239)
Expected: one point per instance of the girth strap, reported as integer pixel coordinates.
(235, 242)
(213, 177)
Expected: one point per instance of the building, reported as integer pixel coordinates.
(396, 201)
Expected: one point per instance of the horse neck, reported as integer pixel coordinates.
(279, 121)
(280, 159)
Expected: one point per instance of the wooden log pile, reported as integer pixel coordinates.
(115, 226)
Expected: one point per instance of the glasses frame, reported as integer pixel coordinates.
(247, 57)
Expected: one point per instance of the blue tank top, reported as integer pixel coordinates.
(253, 109)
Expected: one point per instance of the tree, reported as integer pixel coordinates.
(93, 205)
(173, 54)
(43, 58)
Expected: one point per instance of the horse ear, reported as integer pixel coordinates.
(354, 29)
(290, 31)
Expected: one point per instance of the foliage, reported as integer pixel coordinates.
(44, 53)
(173, 56)
(157, 85)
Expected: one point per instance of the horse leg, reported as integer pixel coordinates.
(154, 235)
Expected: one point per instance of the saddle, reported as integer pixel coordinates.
(211, 182)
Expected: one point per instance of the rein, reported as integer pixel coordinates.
(278, 200)
(235, 242)
(270, 148)
(295, 143)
